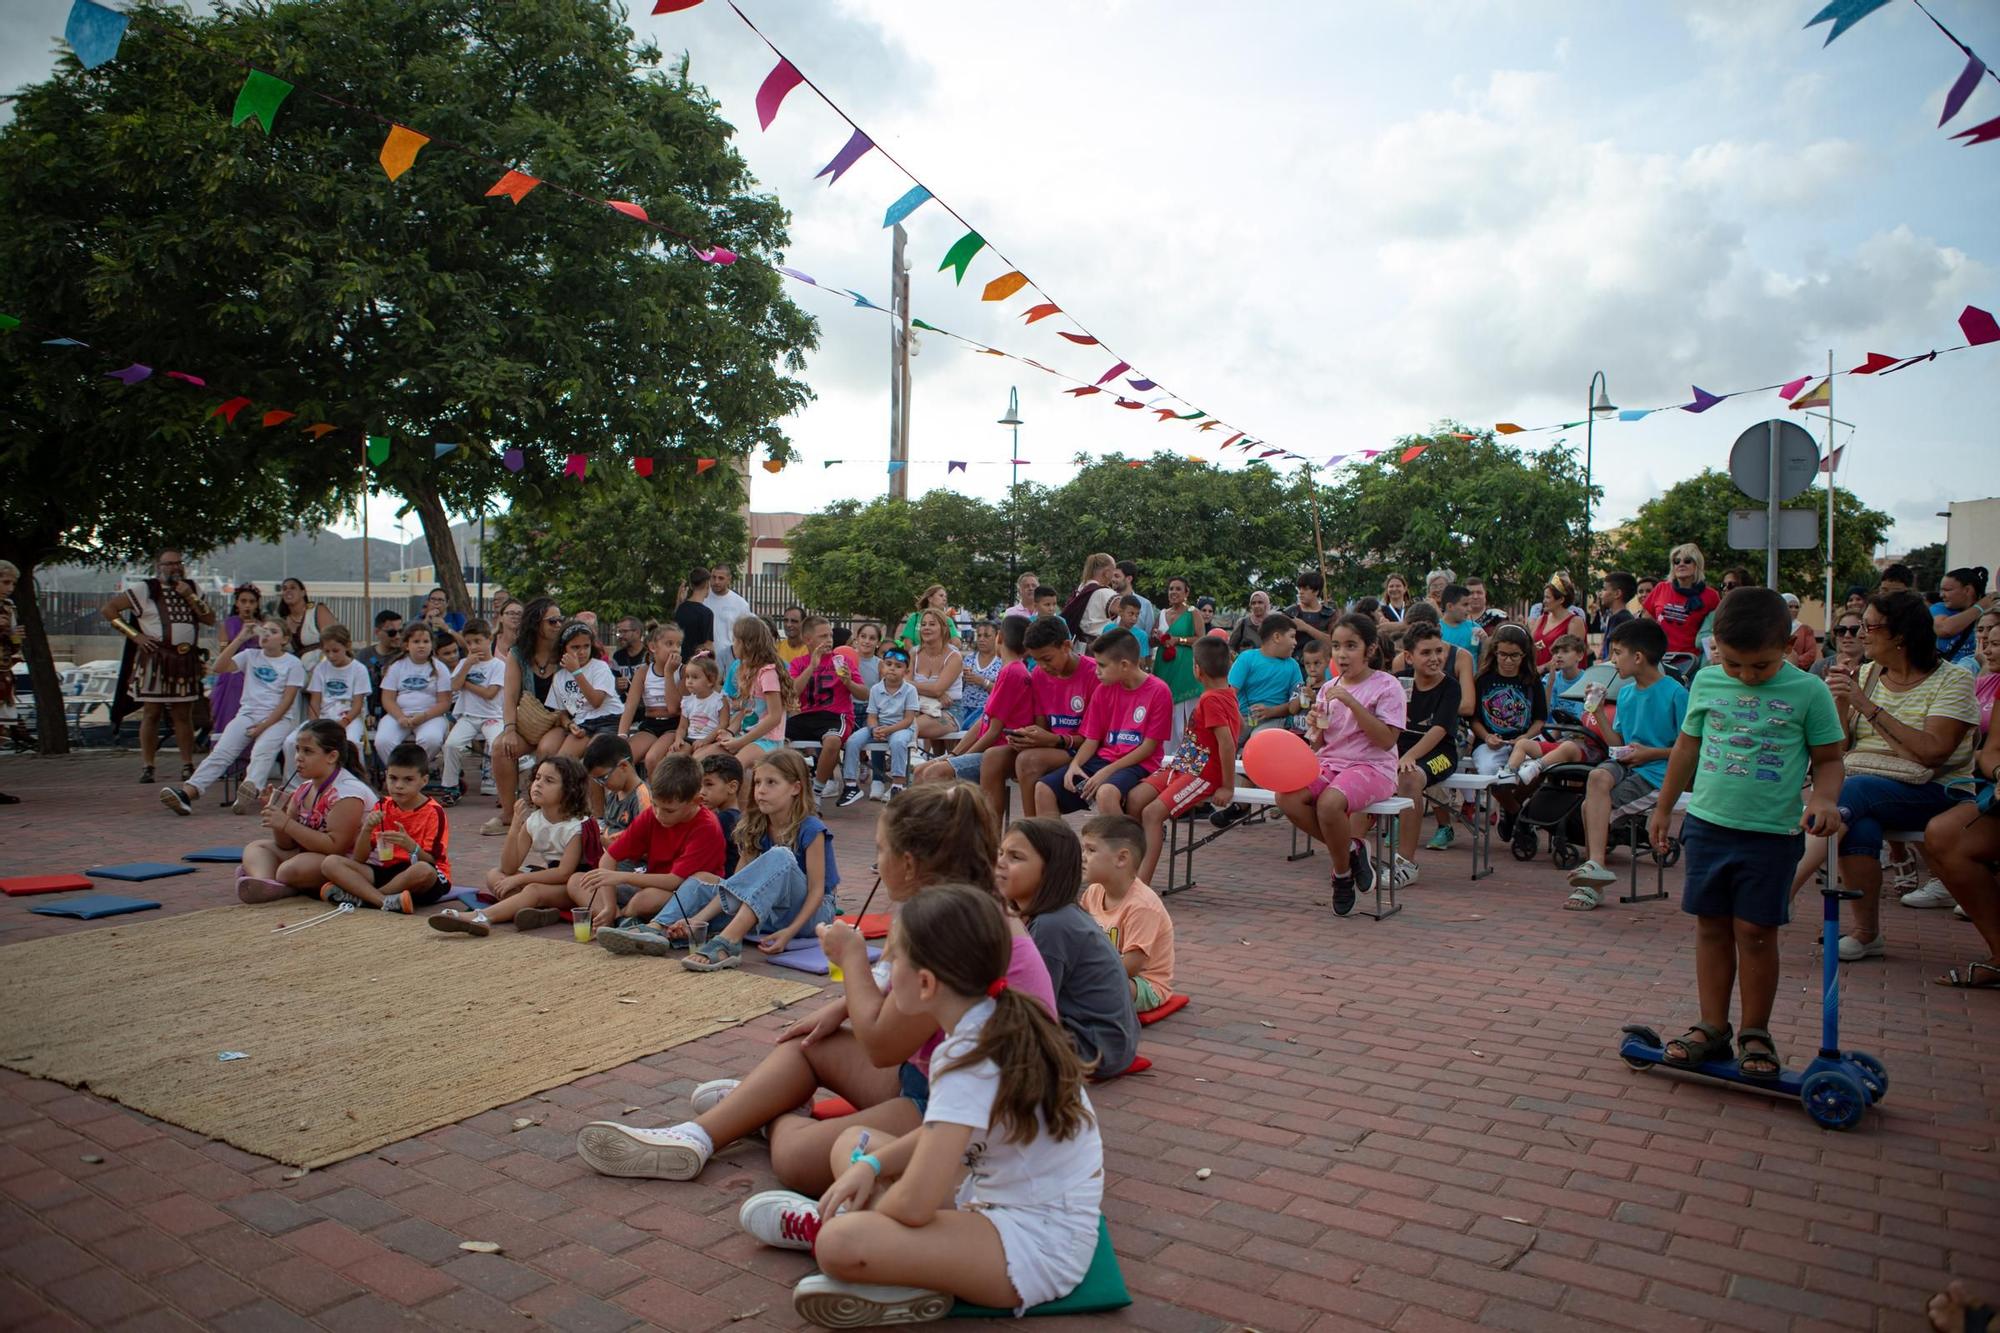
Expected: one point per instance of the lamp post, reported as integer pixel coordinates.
(1600, 405)
(1013, 419)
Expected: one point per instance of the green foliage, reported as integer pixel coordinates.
(1475, 506)
(1926, 563)
(617, 543)
(1697, 510)
(876, 558)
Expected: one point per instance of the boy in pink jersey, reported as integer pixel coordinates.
(1126, 722)
(1061, 686)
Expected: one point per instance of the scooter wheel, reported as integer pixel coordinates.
(1834, 1099)
(1873, 1076)
(1630, 1063)
(1524, 845)
(1673, 852)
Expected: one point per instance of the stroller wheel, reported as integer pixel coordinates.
(1565, 855)
(1524, 845)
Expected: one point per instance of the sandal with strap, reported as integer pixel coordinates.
(1763, 1062)
(1699, 1044)
(1973, 976)
(1584, 899)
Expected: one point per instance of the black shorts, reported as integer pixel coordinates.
(817, 727)
(657, 726)
(1738, 872)
(423, 897)
(1068, 802)
(600, 726)
(1437, 766)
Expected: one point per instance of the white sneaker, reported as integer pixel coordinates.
(705, 1097)
(1506, 777)
(1529, 772)
(1853, 950)
(1961, 914)
(830, 1303)
(1592, 874)
(781, 1219)
(1403, 874)
(829, 789)
(611, 1149)
(1932, 894)
(876, 791)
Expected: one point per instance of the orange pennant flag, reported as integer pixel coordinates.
(1004, 286)
(1410, 453)
(515, 185)
(774, 465)
(399, 150)
(319, 428)
(1508, 428)
(277, 418)
(702, 465)
(1042, 311)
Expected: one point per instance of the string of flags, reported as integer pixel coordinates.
(1844, 14)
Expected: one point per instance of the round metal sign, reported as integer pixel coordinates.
(1750, 460)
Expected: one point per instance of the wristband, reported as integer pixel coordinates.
(867, 1157)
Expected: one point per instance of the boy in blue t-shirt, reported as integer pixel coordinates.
(1754, 724)
(1453, 624)
(1266, 681)
(1649, 708)
(1566, 656)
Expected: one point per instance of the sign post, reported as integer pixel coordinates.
(1773, 461)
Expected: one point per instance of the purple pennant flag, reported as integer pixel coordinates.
(132, 374)
(1114, 372)
(514, 459)
(1335, 459)
(954, 466)
(1020, 462)
(1142, 385)
(1703, 400)
(857, 144)
(794, 273)
(1975, 69)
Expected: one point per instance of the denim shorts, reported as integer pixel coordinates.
(1874, 805)
(1739, 873)
(916, 1085)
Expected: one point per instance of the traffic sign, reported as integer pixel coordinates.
(1750, 460)
(1750, 529)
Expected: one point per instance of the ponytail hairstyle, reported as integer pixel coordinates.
(947, 830)
(755, 825)
(959, 935)
(1061, 851)
(757, 648)
(330, 736)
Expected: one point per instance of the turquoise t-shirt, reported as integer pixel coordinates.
(1460, 635)
(1651, 715)
(1258, 679)
(1756, 743)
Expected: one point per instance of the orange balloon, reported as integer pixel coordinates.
(1280, 761)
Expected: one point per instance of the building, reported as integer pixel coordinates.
(770, 543)
(1972, 533)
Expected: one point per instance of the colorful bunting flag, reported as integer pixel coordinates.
(1789, 389)
(277, 417)
(1137, 462)
(576, 465)
(399, 150)
(1831, 463)
(774, 465)
(261, 96)
(1634, 413)
(829, 462)
(1844, 14)
(227, 411)
(1333, 459)
(1004, 286)
(959, 257)
(1080, 339)
(515, 185)
(513, 460)
(93, 32)
(1142, 385)
(440, 450)
(1978, 326)
(1084, 392)
(783, 77)
(702, 465)
(1270, 453)
(1508, 428)
(1191, 416)
(929, 328)
(1019, 462)
(1233, 439)
(719, 255)
(908, 204)
(1984, 132)
(1114, 372)
(9, 323)
(1876, 361)
(1911, 361)
(629, 209)
(857, 144)
(1703, 400)
(378, 449)
(1164, 413)
(1132, 403)
(896, 465)
(1968, 79)
(1410, 454)
(1208, 425)
(643, 466)
(1820, 395)
(1042, 311)
(132, 374)
(674, 6)
(954, 465)
(319, 429)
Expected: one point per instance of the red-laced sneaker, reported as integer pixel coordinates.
(781, 1219)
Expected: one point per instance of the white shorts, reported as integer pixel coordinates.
(1048, 1249)
(1489, 759)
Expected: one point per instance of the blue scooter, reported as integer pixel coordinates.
(1838, 1086)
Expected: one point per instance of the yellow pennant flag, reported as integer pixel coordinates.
(399, 150)
(1004, 286)
(1820, 395)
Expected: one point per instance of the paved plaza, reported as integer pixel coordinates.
(1415, 1124)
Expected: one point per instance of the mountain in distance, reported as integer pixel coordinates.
(324, 556)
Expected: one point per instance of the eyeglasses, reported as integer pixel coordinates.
(552, 620)
(1683, 559)
(1847, 631)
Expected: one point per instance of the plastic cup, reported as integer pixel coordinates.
(697, 934)
(580, 923)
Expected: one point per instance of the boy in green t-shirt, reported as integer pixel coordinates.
(1752, 722)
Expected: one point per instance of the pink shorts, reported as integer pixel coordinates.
(1361, 786)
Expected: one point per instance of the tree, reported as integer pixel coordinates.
(1472, 505)
(1926, 566)
(1697, 510)
(876, 558)
(617, 543)
(290, 269)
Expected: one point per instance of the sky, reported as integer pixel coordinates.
(1329, 224)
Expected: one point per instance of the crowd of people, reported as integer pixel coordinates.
(677, 772)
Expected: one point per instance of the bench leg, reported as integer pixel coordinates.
(1179, 876)
(1482, 833)
(1636, 840)
(1384, 873)
(1297, 854)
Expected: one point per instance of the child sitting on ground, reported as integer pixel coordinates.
(1040, 874)
(670, 843)
(702, 708)
(1204, 767)
(722, 792)
(1356, 722)
(1650, 708)
(892, 720)
(1742, 836)
(997, 1200)
(318, 818)
(399, 859)
(476, 690)
(1130, 716)
(1127, 909)
(544, 847)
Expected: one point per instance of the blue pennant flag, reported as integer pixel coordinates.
(93, 32)
(905, 206)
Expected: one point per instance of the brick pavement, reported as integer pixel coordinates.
(1417, 1124)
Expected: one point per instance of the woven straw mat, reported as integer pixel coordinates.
(362, 1030)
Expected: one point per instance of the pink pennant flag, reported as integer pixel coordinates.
(515, 185)
(857, 144)
(1703, 400)
(777, 83)
(227, 411)
(576, 465)
(1080, 339)
(277, 418)
(1084, 392)
(643, 466)
(1270, 453)
(1876, 361)
(195, 380)
(1978, 326)
(1114, 372)
(1968, 79)
(629, 209)
(719, 255)
(1831, 463)
(1790, 388)
(1020, 462)
(1042, 311)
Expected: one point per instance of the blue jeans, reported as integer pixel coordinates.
(773, 886)
(1872, 804)
(899, 753)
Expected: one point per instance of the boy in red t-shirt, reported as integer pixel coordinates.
(676, 839)
(1010, 704)
(398, 862)
(1127, 721)
(1204, 768)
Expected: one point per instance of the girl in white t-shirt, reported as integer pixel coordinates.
(703, 705)
(336, 689)
(416, 695)
(900, 1235)
(585, 689)
(272, 680)
(544, 848)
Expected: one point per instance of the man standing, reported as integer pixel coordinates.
(162, 668)
(1125, 582)
(1311, 613)
(728, 607)
(697, 622)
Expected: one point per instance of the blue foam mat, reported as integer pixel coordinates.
(94, 905)
(811, 959)
(216, 856)
(140, 870)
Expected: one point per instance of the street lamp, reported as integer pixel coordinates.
(1013, 419)
(1600, 405)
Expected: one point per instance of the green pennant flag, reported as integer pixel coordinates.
(378, 449)
(261, 97)
(960, 255)
(1190, 416)
(930, 328)
(9, 322)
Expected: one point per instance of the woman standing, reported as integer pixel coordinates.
(1395, 600)
(1173, 655)
(529, 722)
(1683, 604)
(937, 669)
(1559, 617)
(933, 599)
(1090, 607)
(304, 619)
(1247, 633)
(227, 692)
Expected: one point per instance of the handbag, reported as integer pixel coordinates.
(1896, 767)
(532, 718)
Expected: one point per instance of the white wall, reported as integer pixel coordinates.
(1972, 534)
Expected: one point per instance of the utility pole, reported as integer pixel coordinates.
(899, 368)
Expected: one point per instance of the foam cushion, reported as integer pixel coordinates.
(22, 885)
(1102, 1288)
(874, 926)
(466, 896)
(1140, 1064)
(216, 855)
(832, 1108)
(811, 959)
(95, 905)
(1172, 1006)
(140, 870)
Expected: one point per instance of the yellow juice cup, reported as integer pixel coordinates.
(580, 923)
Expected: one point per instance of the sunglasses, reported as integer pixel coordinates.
(552, 620)
(1847, 631)
(1683, 560)
(1730, 585)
